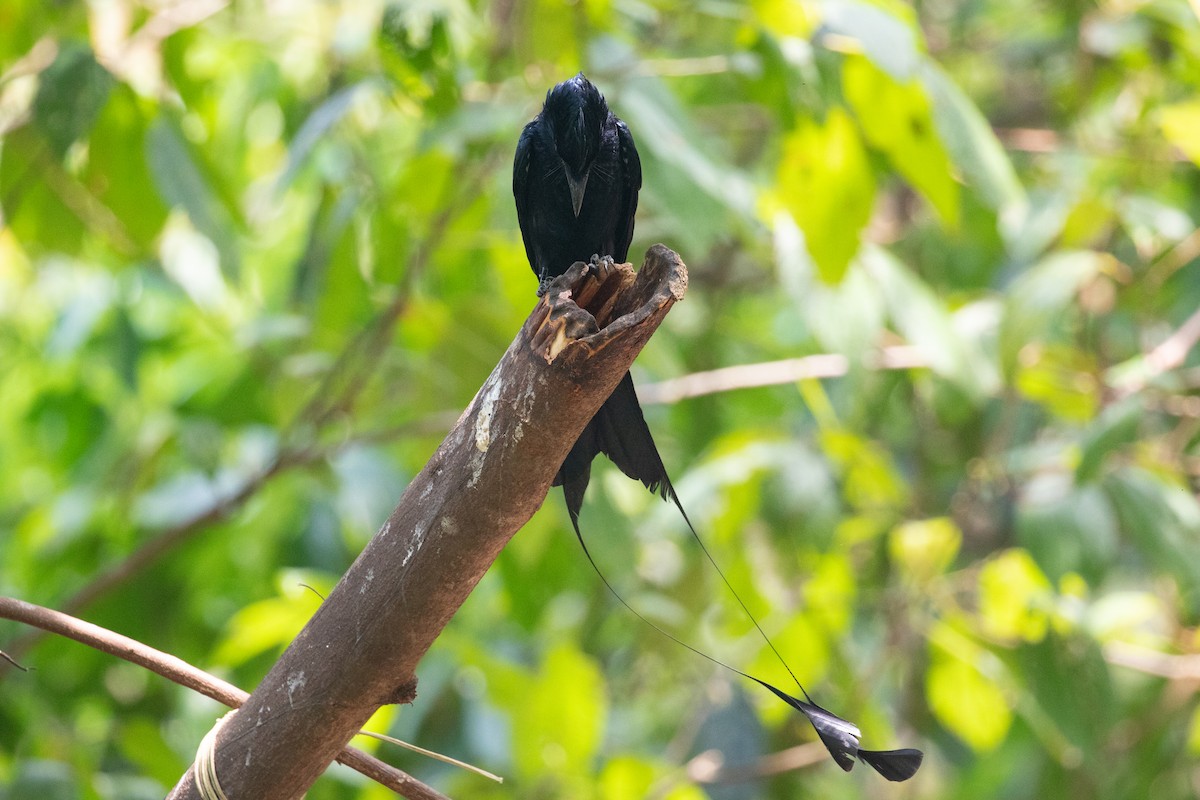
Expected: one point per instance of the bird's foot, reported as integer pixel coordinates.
(600, 267)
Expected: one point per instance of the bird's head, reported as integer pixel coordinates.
(576, 112)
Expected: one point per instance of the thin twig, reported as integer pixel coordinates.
(1183, 253)
(1152, 662)
(184, 674)
(710, 768)
(1134, 375)
(10, 660)
(1046, 140)
(772, 373)
(177, 534)
(169, 539)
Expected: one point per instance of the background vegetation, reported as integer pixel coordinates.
(255, 257)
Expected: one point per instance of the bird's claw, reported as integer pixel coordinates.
(600, 267)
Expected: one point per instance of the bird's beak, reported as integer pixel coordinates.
(577, 189)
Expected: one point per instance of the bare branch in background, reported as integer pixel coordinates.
(184, 674)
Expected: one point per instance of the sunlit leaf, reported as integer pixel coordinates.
(274, 622)
(1014, 597)
(971, 707)
(1193, 740)
(182, 183)
(1060, 378)
(788, 17)
(871, 479)
(627, 776)
(830, 592)
(895, 118)
(826, 184)
(1180, 123)
(971, 143)
(923, 549)
(559, 725)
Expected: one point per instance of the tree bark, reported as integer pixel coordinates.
(491, 473)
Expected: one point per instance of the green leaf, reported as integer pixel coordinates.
(889, 41)
(962, 699)
(1068, 528)
(118, 174)
(847, 317)
(142, 742)
(1075, 706)
(1015, 598)
(315, 127)
(870, 479)
(33, 211)
(558, 726)
(895, 118)
(826, 184)
(1062, 379)
(687, 178)
(1180, 123)
(274, 622)
(920, 316)
(924, 549)
(1193, 737)
(785, 18)
(1116, 427)
(627, 777)
(972, 144)
(71, 93)
(43, 779)
(1040, 299)
(1163, 519)
(182, 183)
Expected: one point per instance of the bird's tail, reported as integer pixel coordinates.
(619, 431)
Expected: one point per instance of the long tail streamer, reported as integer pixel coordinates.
(839, 736)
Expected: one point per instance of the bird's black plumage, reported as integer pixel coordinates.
(576, 177)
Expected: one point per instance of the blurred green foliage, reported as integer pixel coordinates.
(255, 258)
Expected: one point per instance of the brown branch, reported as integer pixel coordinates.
(1046, 140)
(710, 768)
(1152, 662)
(183, 673)
(1183, 253)
(772, 373)
(1135, 374)
(360, 650)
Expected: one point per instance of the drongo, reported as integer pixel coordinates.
(576, 177)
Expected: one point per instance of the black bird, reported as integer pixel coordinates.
(576, 178)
